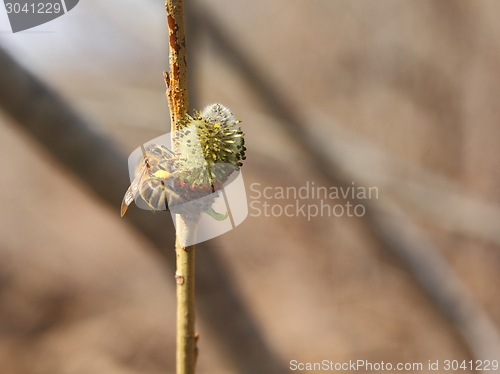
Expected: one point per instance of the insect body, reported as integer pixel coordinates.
(209, 148)
(151, 181)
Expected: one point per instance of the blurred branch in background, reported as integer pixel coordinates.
(103, 169)
(427, 194)
(431, 268)
(70, 139)
(392, 228)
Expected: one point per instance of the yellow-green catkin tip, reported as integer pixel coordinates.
(211, 147)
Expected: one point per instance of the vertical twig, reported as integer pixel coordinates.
(177, 80)
(178, 101)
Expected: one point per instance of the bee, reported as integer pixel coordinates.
(152, 178)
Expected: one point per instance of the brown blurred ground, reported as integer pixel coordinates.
(81, 292)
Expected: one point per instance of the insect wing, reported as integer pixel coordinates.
(133, 190)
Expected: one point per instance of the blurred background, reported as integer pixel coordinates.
(403, 96)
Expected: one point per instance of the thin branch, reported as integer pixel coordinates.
(177, 84)
(178, 101)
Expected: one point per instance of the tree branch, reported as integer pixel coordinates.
(178, 101)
